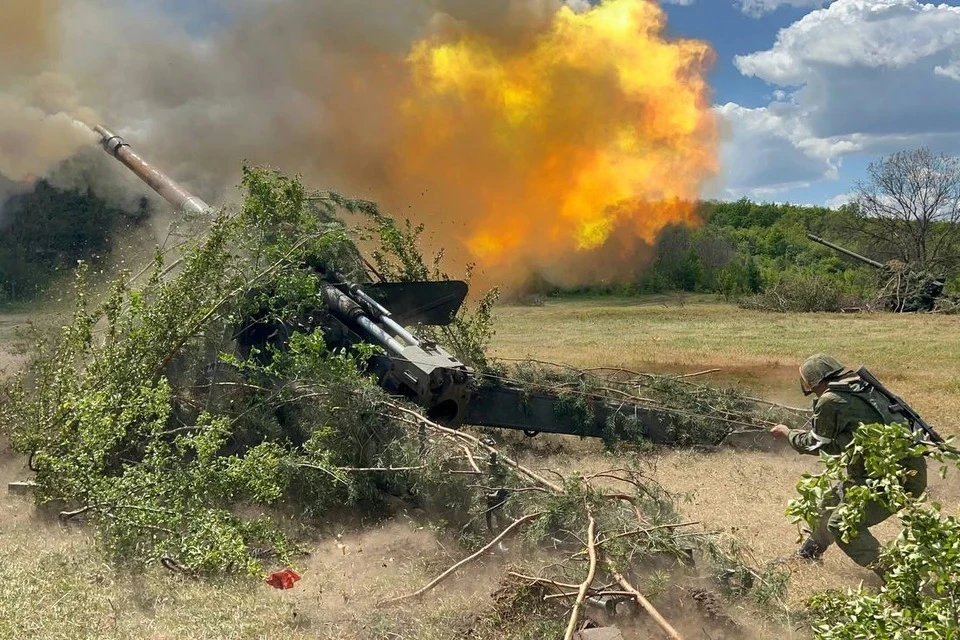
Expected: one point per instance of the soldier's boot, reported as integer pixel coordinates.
(880, 571)
(810, 550)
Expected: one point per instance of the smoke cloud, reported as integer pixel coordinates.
(37, 106)
(348, 95)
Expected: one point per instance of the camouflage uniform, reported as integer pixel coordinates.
(847, 403)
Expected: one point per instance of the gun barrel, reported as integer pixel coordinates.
(164, 185)
(847, 252)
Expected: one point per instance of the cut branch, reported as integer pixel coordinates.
(545, 581)
(698, 373)
(306, 465)
(643, 602)
(378, 469)
(473, 463)
(585, 585)
(596, 593)
(637, 532)
(465, 436)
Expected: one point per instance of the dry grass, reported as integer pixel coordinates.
(915, 354)
(744, 494)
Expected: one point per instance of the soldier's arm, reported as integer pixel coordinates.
(826, 428)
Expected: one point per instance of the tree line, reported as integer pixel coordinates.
(46, 231)
(906, 211)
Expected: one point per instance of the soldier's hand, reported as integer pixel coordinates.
(781, 430)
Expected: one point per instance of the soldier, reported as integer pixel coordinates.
(843, 403)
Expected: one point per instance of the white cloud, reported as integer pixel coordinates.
(757, 8)
(860, 76)
(682, 3)
(768, 151)
(950, 70)
(838, 201)
(866, 34)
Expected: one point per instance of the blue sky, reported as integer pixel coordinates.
(813, 91)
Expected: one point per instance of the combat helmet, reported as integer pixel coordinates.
(816, 369)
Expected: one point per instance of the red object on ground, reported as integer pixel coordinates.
(283, 579)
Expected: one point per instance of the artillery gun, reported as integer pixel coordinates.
(903, 289)
(352, 313)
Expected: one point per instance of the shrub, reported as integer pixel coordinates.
(803, 291)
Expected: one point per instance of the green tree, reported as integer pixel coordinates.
(910, 204)
(49, 229)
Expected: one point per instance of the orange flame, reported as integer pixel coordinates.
(589, 135)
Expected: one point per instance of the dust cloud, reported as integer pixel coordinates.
(528, 135)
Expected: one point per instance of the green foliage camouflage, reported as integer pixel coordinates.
(142, 418)
(693, 414)
(922, 582)
(400, 260)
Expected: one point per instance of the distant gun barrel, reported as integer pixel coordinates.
(164, 185)
(847, 252)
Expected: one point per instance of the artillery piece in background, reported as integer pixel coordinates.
(450, 392)
(903, 289)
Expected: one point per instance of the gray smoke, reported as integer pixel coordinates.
(37, 105)
(303, 85)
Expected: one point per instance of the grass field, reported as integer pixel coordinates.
(918, 355)
(744, 494)
(52, 584)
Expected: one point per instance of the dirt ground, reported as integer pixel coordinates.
(53, 585)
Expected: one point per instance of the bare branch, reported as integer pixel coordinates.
(473, 463)
(306, 465)
(637, 532)
(378, 469)
(585, 585)
(593, 592)
(643, 602)
(459, 434)
(546, 581)
(698, 373)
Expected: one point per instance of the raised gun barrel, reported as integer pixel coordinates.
(847, 252)
(183, 200)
